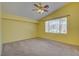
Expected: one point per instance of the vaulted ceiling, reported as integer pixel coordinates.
(25, 9)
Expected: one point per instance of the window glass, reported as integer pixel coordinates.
(56, 25)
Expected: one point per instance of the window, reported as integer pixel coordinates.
(56, 25)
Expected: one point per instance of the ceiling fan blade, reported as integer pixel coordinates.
(36, 5)
(34, 9)
(45, 10)
(46, 6)
(40, 4)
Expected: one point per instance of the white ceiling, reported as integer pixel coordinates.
(25, 9)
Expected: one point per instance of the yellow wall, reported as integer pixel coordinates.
(18, 28)
(72, 37)
(17, 18)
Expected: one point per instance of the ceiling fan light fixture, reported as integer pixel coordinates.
(40, 11)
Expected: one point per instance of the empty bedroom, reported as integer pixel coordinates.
(39, 28)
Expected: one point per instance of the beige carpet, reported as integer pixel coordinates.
(38, 47)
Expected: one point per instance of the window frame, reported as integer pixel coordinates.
(59, 19)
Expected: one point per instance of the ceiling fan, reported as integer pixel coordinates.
(40, 8)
